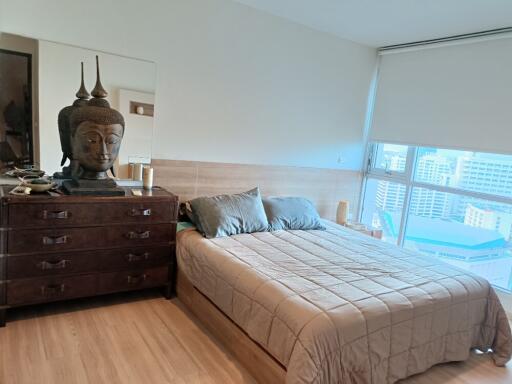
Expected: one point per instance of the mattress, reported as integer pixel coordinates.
(338, 306)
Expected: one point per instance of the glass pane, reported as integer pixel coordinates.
(382, 207)
(472, 171)
(390, 157)
(469, 233)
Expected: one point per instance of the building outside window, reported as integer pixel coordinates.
(450, 204)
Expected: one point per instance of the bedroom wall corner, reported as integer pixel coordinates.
(234, 84)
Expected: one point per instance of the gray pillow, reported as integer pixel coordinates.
(226, 215)
(291, 213)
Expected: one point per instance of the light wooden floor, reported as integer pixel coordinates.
(143, 338)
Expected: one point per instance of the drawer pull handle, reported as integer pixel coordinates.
(52, 240)
(46, 265)
(140, 212)
(133, 280)
(132, 257)
(53, 290)
(56, 214)
(138, 235)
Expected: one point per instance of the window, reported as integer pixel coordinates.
(389, 158)
(382, 207)
(470, 171)
(450, 204)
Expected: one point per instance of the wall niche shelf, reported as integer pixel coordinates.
(148, 109)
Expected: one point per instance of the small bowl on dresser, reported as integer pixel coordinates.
(38, 184)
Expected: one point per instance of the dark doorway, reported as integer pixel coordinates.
(16, 143)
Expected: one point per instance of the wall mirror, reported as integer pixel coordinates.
(47, 77)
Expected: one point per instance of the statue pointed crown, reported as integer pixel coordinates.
(82, 93)
(97, 109)
(99, 93)
(63, 120)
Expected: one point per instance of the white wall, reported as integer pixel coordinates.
(234, 84)
(59, 80)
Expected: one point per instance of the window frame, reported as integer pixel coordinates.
(407, 179)
(384, 173)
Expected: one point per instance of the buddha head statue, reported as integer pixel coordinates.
(96, 131)
(82, 96)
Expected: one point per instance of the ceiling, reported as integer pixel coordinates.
(386, 22)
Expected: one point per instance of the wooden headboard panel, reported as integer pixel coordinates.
(325, 187)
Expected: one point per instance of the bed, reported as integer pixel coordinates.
(338, 306)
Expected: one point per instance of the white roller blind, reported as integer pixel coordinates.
(457, 96)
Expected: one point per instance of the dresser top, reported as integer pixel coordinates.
(157, 193)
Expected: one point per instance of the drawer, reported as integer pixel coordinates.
(135, 279)
(136, 258)
(77, 214)
(53, 264)
(65, 239)
(40, 290)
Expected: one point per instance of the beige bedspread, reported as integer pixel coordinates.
(337, 306)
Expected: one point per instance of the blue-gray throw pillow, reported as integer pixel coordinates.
(226, 215)
(291, 213)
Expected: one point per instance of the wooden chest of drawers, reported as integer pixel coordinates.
(62, 247)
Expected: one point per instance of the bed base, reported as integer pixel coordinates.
(258, 362)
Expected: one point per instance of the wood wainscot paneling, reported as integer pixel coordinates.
(325, 187)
